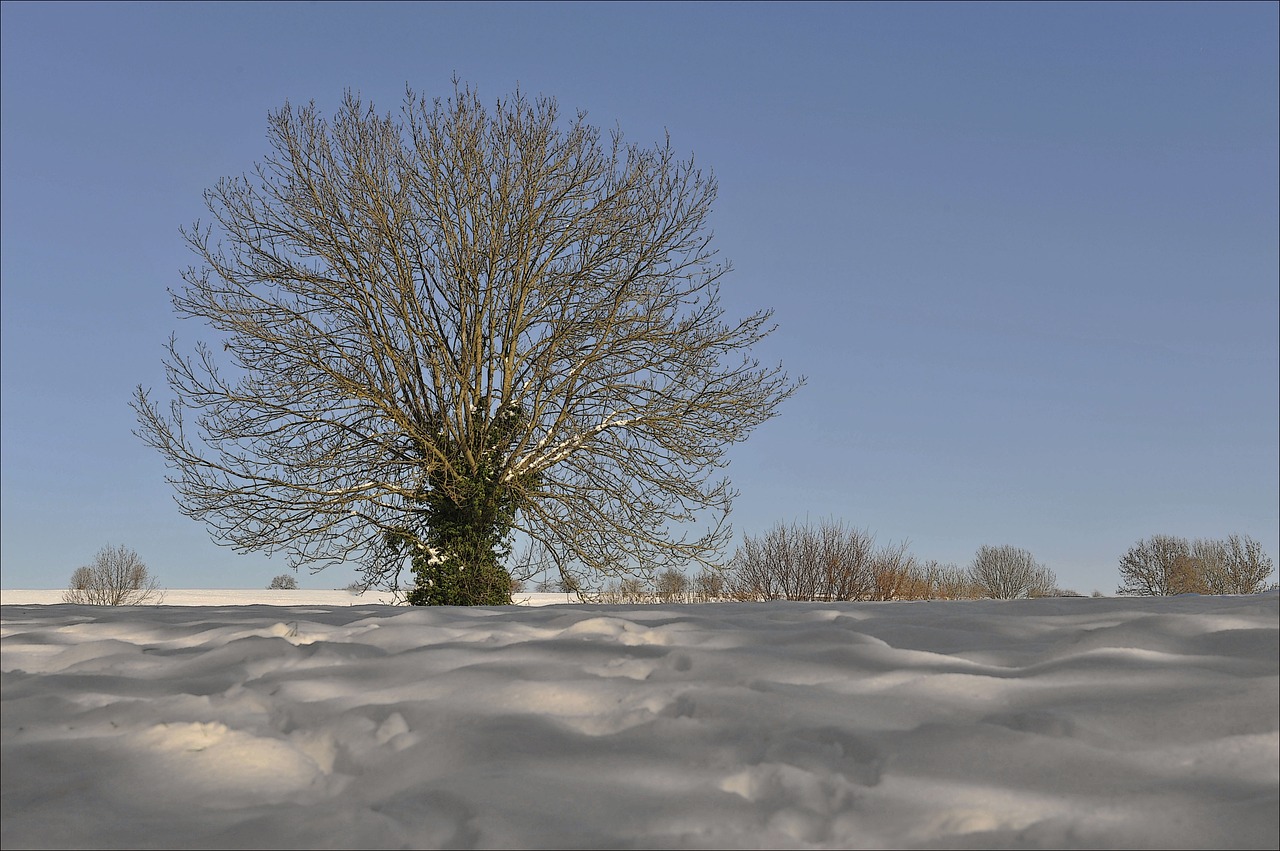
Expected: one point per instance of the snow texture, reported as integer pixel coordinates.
(1054, 723)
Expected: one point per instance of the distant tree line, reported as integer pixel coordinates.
(831, 561)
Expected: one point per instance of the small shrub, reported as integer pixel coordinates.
(948, 582)
(631, 590)
(709, 586)
(671, 586)
(117, 577)
(895, 575)
(283, 582)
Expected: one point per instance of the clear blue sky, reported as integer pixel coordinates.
(1026, 254)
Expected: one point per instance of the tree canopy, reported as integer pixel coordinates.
(454, 324)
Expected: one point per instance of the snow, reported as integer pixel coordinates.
(341, 723)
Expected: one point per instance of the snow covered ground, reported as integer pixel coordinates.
(341, 723)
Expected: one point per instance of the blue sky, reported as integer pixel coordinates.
(1026, 254)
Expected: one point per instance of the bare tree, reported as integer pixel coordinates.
(1006, 573)
(948, 582)
(629, 590)
(452, 326)
(117, 577)
(1206, 564)
(709, 586)
(847, 561)
(671, 586)
(775, 566)
(756, 572)
(1245, 569)
(1237, 565)
(1166, 564)
(1044, 583)
(895, 574)
(283, 582)
(802, 562)
(1160, 565)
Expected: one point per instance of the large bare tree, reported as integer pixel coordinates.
(448, 325)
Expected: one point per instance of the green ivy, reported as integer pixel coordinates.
(468, 522)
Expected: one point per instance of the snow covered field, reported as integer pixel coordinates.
(340, 723)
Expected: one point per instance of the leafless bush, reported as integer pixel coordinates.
(608, 594)
(895, 574)
(1045, 584)
(560, 584)
(671, 586)
(1006, 573)
(1237, 565)
(827, 562)
(117, 577)
(947, 582)
(709, 586)
(846, 562)
(1159, 565)
(1166, 564)
(633, 590)
(283, 582)
(628, 590)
